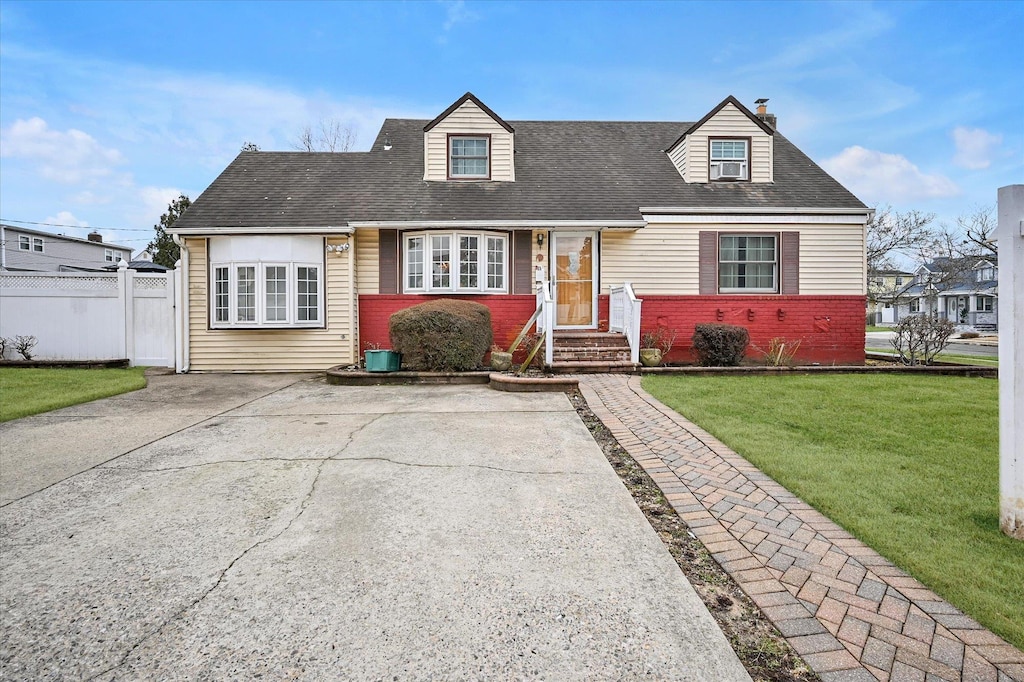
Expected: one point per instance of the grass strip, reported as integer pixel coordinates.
(28, 390)
(907, 464)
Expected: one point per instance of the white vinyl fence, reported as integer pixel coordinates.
(91, 316)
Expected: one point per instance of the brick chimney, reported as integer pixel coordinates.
(762, 113)
(95, 236)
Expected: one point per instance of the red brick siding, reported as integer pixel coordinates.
(508, 315)
(830, 328)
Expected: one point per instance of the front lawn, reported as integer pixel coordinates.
(908, 464)
(30, 390)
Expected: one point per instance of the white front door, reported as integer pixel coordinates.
(574, 277)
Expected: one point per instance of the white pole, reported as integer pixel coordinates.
(1010, 235)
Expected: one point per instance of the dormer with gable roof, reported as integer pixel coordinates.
(730, 144)
(468, 142)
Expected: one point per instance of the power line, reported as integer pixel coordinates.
(81, 227)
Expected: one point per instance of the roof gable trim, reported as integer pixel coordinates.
(469, 97)
(728, 100)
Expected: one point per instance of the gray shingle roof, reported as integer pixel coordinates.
(565, 170)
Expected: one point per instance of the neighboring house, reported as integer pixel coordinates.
(144, 263)
(296, 260)
(962, 290)
(885, 293)
(33, 250)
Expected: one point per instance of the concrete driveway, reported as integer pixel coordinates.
(218, 527)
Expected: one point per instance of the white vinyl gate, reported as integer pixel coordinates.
(91, 316)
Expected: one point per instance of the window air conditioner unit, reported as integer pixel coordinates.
(730, 169)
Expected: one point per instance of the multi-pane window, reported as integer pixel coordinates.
(26, 243)
(266, 294)
(747, 263)
(728, 160)
(246, 293)
(276, 293)
(984, 304)
(457, 262)
(414, 250)
(110, 256)
(307, 279)
(469, 261)
(440, 261)
(468, 157)
(495, 262)
(915, 305)
(222, 294)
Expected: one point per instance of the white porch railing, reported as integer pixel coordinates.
(546, 320)
(624, 317)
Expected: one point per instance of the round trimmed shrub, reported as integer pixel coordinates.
(720, 345)
(445, 335)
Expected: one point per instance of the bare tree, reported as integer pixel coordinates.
(890, 233)
(330, 135)
(250, 147)
(979, 229)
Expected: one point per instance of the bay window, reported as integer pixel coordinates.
(269, 282)
(446, 262)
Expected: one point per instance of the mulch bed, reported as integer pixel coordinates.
(760, 647)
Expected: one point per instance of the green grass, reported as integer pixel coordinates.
(908, 464)
(25, 390)
(874, 328)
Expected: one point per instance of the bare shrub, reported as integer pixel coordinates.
(661, 337)
(24, 345)
(719, 345)
(445, 335)
(4, 345)
(919, 338)
(780, 352)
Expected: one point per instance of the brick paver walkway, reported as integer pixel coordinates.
(851, 614)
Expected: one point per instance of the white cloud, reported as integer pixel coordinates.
(974, 147)
(153, 201)
(67, 219)
(877, 177)
(69, 157)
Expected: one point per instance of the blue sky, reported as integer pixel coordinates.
(108, 110)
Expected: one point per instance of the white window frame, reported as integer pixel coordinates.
(455, 264)
(914, 306)
(981, 299)
(715, 161)
(24, 242)
(110, 256)
(486, 139)
(291, 320)
(774, 289)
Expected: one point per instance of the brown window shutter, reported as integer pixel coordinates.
(790, 263)
(522, 262)
(387, 262)
(707, 255)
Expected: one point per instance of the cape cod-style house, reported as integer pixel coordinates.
(296, 260)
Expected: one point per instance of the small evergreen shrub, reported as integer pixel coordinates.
(719, 345)
(445, 335)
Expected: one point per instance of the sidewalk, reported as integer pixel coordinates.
(851, 614)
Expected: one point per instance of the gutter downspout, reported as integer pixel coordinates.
(3, 247)
(181, 331)
(353, 302)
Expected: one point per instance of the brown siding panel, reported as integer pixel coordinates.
(708, 258)
(522, 262)
(388, 262)
(790, 263)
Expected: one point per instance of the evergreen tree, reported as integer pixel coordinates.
(162, 248)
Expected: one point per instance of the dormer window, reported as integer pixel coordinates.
(986, 274)
(469, 157)
(729, 159)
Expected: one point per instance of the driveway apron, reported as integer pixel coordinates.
(218, 527)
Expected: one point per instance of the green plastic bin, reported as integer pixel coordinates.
(383, 361)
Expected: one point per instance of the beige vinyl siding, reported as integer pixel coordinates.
(270, 350)
(468, 119)
(661, 259)
(367, 262)
(730, 122)
(677, 155)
